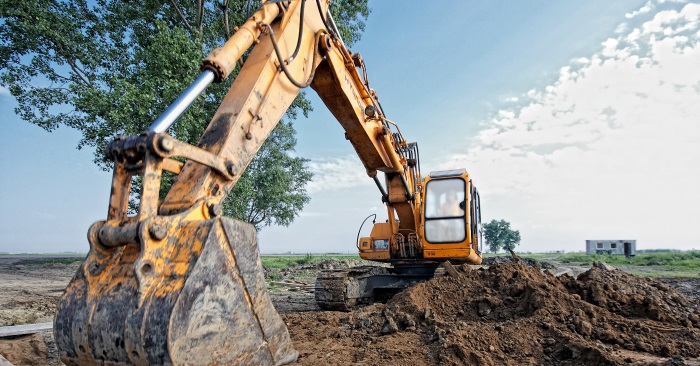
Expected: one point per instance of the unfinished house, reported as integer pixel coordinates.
(627, 248)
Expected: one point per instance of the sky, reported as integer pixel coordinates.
(576, 121)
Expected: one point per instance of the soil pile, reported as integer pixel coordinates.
(489, 261)
(510, 314)
(37, 349)
(307, 272)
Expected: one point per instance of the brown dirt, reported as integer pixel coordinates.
(29, 290)
(508, 314)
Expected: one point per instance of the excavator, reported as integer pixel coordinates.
(178, 283)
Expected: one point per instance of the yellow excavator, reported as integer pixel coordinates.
(178, 283)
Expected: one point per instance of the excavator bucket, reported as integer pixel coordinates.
(195, 297)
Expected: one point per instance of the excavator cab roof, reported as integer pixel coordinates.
(447, 173)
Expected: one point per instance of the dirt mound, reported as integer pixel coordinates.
(489, 261)
(335, 264)
(308, 271)
(37, 349)
(510, 314)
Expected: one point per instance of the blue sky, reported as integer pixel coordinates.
(577, 120)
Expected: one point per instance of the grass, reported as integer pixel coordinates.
(689, 260)
(44, 261)
(664, 271)
(289, 261)
(650, 264)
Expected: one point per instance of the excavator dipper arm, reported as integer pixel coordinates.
(177, 283)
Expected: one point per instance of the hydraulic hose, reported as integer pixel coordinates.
(357, 241)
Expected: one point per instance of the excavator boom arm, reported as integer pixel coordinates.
(180, 284)
(267, 85)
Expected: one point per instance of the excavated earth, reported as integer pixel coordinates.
(510, 313)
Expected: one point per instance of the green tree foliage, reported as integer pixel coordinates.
(499, 235)
(110, 67)
(274, 183)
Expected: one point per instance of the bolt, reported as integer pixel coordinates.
(248, 136)
(215, 210)
(166, 144)
(230, 168)
(370, 111)
(94, 269)
(158, 232)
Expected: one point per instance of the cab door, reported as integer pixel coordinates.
(445, 211)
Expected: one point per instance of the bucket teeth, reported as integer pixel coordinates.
(202, 302)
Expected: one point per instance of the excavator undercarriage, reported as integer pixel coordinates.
(343, 289)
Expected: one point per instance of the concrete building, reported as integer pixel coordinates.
(621, 247)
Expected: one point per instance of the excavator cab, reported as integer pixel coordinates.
(448, 213)
(451, 223)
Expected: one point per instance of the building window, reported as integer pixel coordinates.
(599, 246)
(613, 245)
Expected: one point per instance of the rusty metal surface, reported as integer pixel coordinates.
(182, 306)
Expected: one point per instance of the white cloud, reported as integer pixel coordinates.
(610, 150)
(643, 10)
(4, 91)
(337, 173)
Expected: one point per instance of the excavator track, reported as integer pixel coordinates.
(341, 289)
(344, 289)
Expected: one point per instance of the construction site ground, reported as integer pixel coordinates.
(503, 313)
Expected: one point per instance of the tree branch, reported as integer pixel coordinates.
(73, 65)
(256, 222)
(224, 8)
(182, 16)
(200, 18)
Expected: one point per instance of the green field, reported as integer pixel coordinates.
(44, 261)
(652, 264)
(288, 261)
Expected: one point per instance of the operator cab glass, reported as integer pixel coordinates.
(445, 214)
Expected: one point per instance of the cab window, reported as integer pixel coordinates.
(445, 215)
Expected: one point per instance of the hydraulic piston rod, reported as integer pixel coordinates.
(167, 118)
(218, 65)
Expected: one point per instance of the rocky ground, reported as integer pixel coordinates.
(505, 314)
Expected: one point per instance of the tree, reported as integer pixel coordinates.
(274, 181)
(110, 67)
(499, 235)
